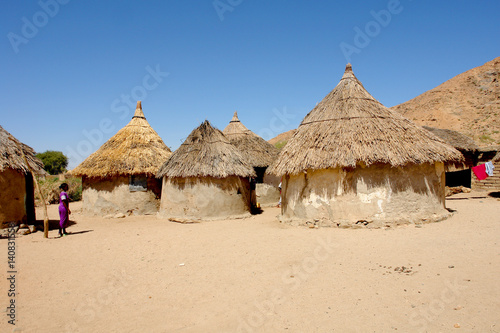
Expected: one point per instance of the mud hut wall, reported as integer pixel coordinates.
(491, 184)
(371, 193)
(205, 198)
(112, 195)
(267, 195)
(272, 180)
(12, 197)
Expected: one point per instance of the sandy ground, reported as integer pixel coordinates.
(141, 274)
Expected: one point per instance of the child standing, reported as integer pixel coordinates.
(64, 210)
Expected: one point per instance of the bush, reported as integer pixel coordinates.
(54, 162)
(50, 189)
(280, 144)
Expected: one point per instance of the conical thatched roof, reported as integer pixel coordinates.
(455, 139)
(206, 152)
(257, 151)
(135, 149)
(349, 127)
(12, 158)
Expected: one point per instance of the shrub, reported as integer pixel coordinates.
(50, 189)
(54, 162)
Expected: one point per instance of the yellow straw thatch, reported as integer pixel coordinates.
(206, 153)
(455, 139)
(349, 127)
(257, 151)
(135, 149)
(12, 158)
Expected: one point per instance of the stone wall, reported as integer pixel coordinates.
(376, 195)
(106, 196)
(490, 184)
(205, 198)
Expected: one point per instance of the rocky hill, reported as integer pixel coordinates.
(281, 139)
(468, 103)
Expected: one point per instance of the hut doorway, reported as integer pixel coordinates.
(458, 178)
(260, 171)
(29, 201)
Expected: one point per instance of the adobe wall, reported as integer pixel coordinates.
(205, 198)
(12, 197)
(272, 180)
(377, 195)
(267, 195)
(105, 196)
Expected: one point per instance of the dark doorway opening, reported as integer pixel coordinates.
(458, 178)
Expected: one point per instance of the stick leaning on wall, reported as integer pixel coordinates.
(45, 217)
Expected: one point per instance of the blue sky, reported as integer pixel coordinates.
(70, 68)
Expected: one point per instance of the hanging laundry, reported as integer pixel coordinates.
(489, 168)
(480, 172)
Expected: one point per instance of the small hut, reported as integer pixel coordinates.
(120, 176)
(259, 154)
(17, 192)
(205, 178)
(352, 161)
(458, 174)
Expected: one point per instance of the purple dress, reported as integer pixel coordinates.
(63, 212)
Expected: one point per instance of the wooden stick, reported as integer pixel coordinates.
(46, 216)
(184, 221)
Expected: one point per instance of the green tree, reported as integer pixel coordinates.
(54, 162)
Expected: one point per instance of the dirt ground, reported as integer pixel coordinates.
(142, 274)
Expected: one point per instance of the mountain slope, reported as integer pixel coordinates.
(281, 139)
(468, 103)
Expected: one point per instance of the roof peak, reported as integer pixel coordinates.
(235, 117)
(348, 73)
(138, 111)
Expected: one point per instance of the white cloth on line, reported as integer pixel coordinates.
(489, 168)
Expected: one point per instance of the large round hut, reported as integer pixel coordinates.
(17, 192)
(352, 161)
(206, 178)
(120, 176)
(259, 154)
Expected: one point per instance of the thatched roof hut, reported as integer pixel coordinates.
(136, 149)
(205, 178)
(353, 159)
(17, 200)
(257, 151)
(458, 174)
(120, 176)
(206, 153)
(455, 139)
(260, 154)
(349, 127)
(11, 157)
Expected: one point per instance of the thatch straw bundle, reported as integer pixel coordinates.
(12, 158)
(135, 149)
(206, 153)
(350, 127)
(455, 139)
(257, 151)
